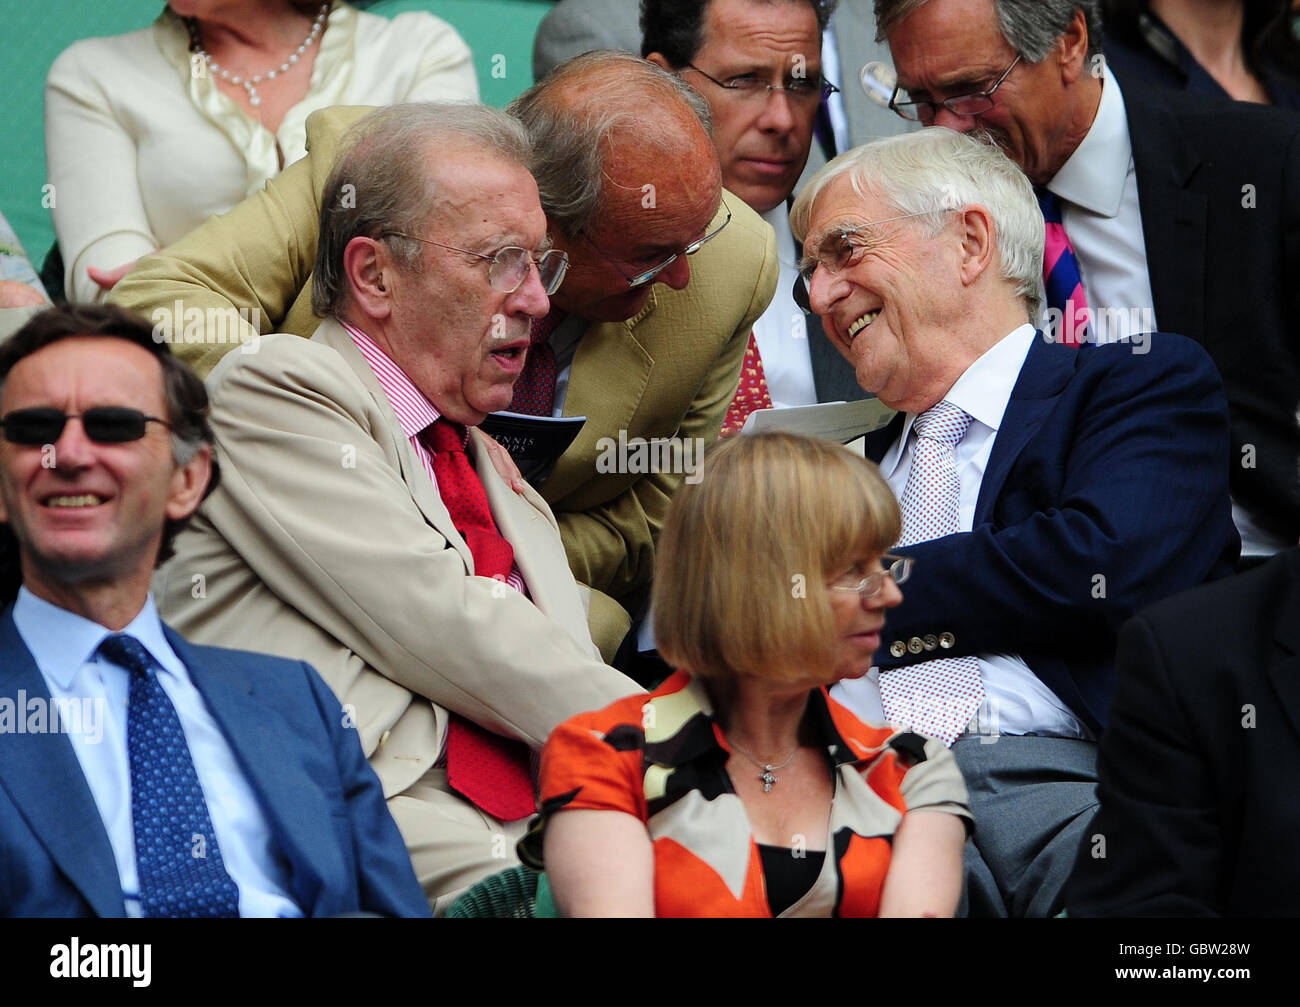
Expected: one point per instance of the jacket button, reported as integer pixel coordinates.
(914, 645)
(930, 640)
(947, 640)
(897, 649)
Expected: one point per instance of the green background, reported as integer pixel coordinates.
(32, 34)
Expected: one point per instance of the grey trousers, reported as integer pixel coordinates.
(1033, 798)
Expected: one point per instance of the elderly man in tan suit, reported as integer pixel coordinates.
(361, 526)
(649, 341)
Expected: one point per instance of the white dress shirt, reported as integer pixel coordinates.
(64, 646)
(1016, 700)
(781, 331)
(1101, 215)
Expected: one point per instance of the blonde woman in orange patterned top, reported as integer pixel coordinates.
(739, 787)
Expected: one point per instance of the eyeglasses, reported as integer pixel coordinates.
(642, 278)
(509, 265)
(897, 568)
(837, 247)
(805, 90)
(102, 424)
(975, 103)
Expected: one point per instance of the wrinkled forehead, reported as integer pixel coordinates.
(844, 207)
(85, 370)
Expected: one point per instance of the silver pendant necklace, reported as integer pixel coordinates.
(249, 84)
(768, 774)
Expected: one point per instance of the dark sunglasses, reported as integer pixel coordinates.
(103, 424)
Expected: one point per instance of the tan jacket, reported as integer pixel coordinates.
(327, 542)
(668, 372)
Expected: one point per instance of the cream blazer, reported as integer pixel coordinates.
(327, 542)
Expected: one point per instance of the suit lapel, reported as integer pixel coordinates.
(257, 734)
(43, 777)
(1173, 216)
(423, 492)
(610, 372)
(876, 443)
(1284, 669)
(1045, 373)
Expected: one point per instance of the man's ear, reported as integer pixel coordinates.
(368, 267)
(977, 242)
(189, 483)
(657, 58)
(1071, 52)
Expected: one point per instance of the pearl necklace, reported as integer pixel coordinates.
(250, 83)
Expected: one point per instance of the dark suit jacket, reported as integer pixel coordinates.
(1106, 490)
(322, 801)
(1200, 767)
(1219, 189)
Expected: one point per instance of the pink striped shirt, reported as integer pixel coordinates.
(415, 413)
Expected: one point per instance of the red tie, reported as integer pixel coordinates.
(751, 394)
(535, 388)
(490, 771)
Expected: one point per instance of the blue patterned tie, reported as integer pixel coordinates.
(1062, 280)
(177, 858)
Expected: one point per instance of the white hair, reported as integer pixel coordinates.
(935, 170)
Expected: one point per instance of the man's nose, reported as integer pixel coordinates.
(677, 274)
(72, 450)
(531, 297)
(955, 122)
(778, 112)
(824, 289)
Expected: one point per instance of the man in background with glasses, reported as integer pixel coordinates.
(759, 66)
(1162, 211)
(141, 775)
(362, 526)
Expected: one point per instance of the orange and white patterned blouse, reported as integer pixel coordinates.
(662, 758)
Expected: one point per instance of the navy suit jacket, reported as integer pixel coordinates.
(321, 799)
(1219, 189)
(1199, 772)
(1106, 490)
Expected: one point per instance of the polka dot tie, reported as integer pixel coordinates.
(535, 387)
(490, 771)
(935, 698)
(178, 861)
(752, 392)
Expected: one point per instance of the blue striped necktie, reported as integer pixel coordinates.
(1061, 277)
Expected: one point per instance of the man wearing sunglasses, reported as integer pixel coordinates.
(1162, 210)
(666, 276)
(105, 452)
(361, 525)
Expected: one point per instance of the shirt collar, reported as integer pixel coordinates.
(985, 387)
(414, 410)
(62, 641)
(779, 219)
(1094, 176)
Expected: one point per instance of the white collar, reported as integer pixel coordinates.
(985, 387)
(1094, 176)
(62, 641)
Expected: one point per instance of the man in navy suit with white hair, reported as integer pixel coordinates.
(140, 775)
(1048, 491)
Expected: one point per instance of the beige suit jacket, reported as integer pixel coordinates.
(668, 372)
(327, 542)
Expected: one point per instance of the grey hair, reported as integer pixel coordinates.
(382, 182)
(1031, 27)
(932, 171)
(621, 97)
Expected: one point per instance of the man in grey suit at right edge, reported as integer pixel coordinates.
(782, 83)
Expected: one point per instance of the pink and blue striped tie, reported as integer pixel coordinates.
(1061, 277)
